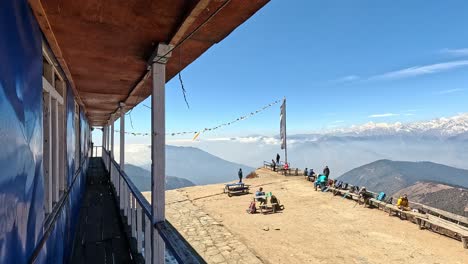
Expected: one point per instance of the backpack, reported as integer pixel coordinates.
(338, 184)
(252, 208)
(354, 189)
(381, 196)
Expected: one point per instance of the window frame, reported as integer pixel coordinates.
(54, 137)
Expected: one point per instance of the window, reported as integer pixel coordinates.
(54, 159)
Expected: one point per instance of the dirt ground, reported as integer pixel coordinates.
(317, 227)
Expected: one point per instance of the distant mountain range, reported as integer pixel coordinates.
(442, 140)
(441, 127)
(193, 164)
(142, 179)
(392, 176)
(427, 183)
(449, 198)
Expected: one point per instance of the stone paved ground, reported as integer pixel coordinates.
(208, 237)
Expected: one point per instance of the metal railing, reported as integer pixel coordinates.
(136, 212)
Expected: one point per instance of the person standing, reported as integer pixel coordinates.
(326, 171)
(240, 175)
(277, 158)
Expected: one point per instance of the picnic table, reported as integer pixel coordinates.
(264, 208)
(236, 189)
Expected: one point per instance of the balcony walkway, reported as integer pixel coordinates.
(100, 236)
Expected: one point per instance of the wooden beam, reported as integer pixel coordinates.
(46, 86)
(180, 33)
(188, 22)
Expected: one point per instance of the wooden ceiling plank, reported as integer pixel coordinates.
(44, 24)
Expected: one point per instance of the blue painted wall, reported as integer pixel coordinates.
(21, 179)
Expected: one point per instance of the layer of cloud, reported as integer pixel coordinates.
(456, 52)
(348, 78)
(383, 115)
(450, 91)
(421, 70)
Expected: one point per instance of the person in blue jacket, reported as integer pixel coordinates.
(321, 181)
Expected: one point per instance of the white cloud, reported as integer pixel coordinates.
(383, 115)
(337, 122)
(449, 91)
(421, 70)
(348, 78)
(456, 52)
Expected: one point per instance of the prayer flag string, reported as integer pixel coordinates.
(198, 132)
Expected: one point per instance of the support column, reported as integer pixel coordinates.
(122, 136)
(103, 136)
(112, 136)
(158, 148)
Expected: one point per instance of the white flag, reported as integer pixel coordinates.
(283, 124)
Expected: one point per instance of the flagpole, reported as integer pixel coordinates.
(285, 134)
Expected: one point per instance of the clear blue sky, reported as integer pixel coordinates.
(337, 62)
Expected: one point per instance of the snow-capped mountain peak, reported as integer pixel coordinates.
(444, 126)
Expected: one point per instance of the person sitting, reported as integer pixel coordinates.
(364, 195)
(286, 168)
(321, 182)
(403, 203)
(311, 175)
(260, 196)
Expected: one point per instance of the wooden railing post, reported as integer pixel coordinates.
(158, 147)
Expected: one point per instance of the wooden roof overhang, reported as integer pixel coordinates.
(103, 46)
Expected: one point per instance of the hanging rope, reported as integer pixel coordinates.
(198, 132)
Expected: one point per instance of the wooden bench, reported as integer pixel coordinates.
(459, 231)
(394, 209)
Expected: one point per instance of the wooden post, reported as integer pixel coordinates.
(139, 228)
(122, 137)
(112, 137)
(148, 233)
(134, 216)
(158, 148)
(103, 139)
(47, 161)
(62, 137)
(55, 151)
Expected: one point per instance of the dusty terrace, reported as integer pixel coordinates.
(314, 228)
